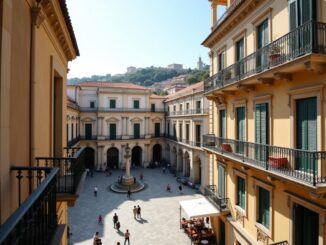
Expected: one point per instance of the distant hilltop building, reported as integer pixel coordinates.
(175, 84)
(131, 69)
(177, 67)
(200, 64)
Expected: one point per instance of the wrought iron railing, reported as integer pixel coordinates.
(303, 165)
(35, 221)
(184, 141)
(188, 112)
(306, 39)
(120, 109)
(84, 137)
(157, 135)
(70, 172)
(280, 243)
(210, 192)
(235, 4)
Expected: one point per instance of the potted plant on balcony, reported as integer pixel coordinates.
(274, 53)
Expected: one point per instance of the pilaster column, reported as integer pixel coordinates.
(122, 126)
(214, 12)
(102, 126)
(147, 153)
(100, 156)
(99, 126)
(146, 131)
(126, 120)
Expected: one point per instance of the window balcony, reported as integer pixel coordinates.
(221, 203)
(198, 111)
(120, 109)
(299, 44)
(35, 221)
(300, 166)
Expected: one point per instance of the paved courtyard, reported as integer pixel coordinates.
(160, 211)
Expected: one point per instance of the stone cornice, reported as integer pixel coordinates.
(63, 35)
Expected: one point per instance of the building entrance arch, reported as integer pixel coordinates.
(157, 153)
(90, 157)
(112, 156)
(136, 156)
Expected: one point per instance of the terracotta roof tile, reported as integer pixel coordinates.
(112, 85)
(186, 91)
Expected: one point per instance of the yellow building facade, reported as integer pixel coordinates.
(37, 42)
(266, 140)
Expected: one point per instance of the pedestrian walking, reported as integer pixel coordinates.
(118, 226)
(180, 189)
(127, 236)
(135, 212)
(138, 212)
(168, 188)
(96, 239)
(95, 191)
(87, 172)
(115, 220)
(129, 194)
(100, 220)
(141, 176)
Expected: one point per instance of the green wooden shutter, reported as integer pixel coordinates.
(222, 124)
(187, 131)
(264, 204)
(113, 131)
(157, 129)
(307, 11)
(88, 131)
(241, 193)
(306, 132)
(197, 135)
(221, 181)
(240, 129)
(136, 130)
(112, 104)
(293, 14)
(136, 104)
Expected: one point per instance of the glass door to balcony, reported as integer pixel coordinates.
(306, 133)
(136, 131)
(305, 226)
(241, 134)
(262, 41)
(157, 129)
(239, 56)
(113, 131)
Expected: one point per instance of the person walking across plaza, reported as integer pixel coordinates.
(100, 220)
(129, 194)
(95, 191)
(96, 239)
(127, 236)
(115, 220)
(180, 189)
(138, 212)
(117, 226)
(135, 212)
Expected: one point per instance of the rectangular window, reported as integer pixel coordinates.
(113, 131)
(136, 104)
(180, 107)
(174, 130)
(152, 107)
(72, 131)
(263, 207)
(112, 104)
(241, 195)
(67, 135)
(136, 131)
(221, 61)
(187, 106)
(92, 104)
(262, 41)
(301, 11)
(168, 129)
(174, 108)
(261, 131)
(88, 131)
(222, 125)
(198, 135)
(157, 129)
(221, 181)
(187, 132)
(241, 134)
(180, 131)
(240, 52)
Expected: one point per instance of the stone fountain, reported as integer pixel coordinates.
(128, 181)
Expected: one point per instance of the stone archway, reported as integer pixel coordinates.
(186, 164)
(180, 161)
(136, 156)
(112, 156)
(90, 157)
(157, 153)
(197, 170)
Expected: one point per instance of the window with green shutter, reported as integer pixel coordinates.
(113, 131)
(221, 61)
(241, 198)
(153, 107)
(221, 181)
(241, 133)
(88, 131)
(136, 104)
(112, 104)
(263, 207)
(222, 125)
(261, 131)
(262, 41)
(240, 55)
(198, 134)
(136, 130)
(306, 132)
(157, 129)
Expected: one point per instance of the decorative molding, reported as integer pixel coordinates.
(112, 120)
(262, 237)
(266, 81)
(283, 76)
(37, 16)
(88, 119)
(136, 120)
(316, 67)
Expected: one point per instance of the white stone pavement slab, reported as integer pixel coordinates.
(160, 211)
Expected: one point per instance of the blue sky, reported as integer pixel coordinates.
(115, 34)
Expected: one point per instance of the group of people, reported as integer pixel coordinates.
(168, 188)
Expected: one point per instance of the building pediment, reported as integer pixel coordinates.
(112, 120)
(136, 120)
(88, 119)
(157, 119)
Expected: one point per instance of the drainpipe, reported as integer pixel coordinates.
(37, 19)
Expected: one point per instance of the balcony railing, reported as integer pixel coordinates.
(157, 135)
(235, 4)
(83, 137)
(306, 39)
(120, 109)
(197, 111)
(302, 165)
(221, 203)
(184, 141)
(35, 221)
(73, 141)
(70, 171)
